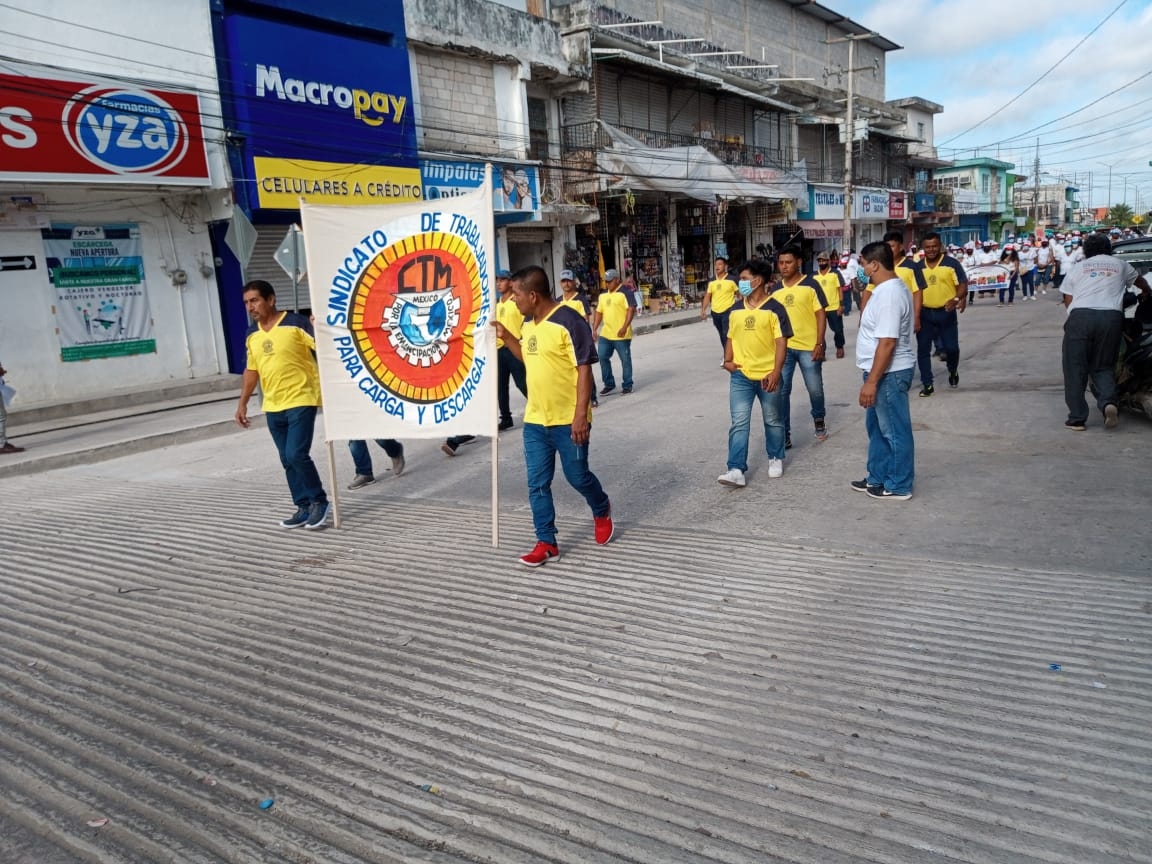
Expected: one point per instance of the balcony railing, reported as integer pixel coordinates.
(591, 136)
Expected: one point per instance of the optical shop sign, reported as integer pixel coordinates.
(101, 301)
(404, 299)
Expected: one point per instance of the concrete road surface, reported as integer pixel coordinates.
(785, 673)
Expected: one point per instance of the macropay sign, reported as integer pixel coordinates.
(313, 107)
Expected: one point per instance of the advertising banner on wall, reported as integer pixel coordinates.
(825, 202)
(404, 296)
(84, 129)
(324, 117)
(870, 205)
(101, 300)
(896, 205)
(515, 188)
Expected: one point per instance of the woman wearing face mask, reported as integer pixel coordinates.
(758, 333)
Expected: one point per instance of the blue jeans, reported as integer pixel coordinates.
(846, 301)
(938, 327)
(1011, 291)
(720, 320)
(891, 455)
(742, 393)
(292, 432)
(1028, 283)
(363, 460)
(508, 366)
(813, 382)
(541, 446)
(623, 347)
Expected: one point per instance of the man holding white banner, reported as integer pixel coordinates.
(404, 295)
(558, 352)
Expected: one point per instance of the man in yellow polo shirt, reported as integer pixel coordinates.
(832, 282)
(720, 297)
(282, 357)
(507, 365)
(945, 295)
(615, 310)
(910, 273)
(557, 349)
(758, 332)
(804, 300)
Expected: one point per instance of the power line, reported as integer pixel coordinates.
(1023, 92)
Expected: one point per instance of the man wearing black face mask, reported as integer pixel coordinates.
(758, 332)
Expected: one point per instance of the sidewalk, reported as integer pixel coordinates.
(148, 419)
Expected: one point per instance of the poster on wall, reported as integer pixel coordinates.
(101, 300)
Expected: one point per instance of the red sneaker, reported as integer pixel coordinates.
(540, 553)
(604, 529)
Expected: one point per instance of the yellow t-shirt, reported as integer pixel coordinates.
(285, 359)
(579, 303)
(802, 301)
(753, 331)
(614, 306)
(511, 317)
(910, 273)
(723, 293)
(553, 350)
(833, 284)
(942, 281)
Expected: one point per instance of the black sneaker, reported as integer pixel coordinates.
(865, 486)
(788, 442)
(626, 390)
(505, 424)
(881, 492)
(317, 516)
(296, 519)
(604, 391)
(926, 391)
(1075, 425)
(954, 379)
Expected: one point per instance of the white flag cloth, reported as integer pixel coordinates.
(403, 297)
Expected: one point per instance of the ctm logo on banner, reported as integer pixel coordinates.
(404, 298)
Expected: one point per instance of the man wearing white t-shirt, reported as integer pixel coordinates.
(887, 358)
(1094, 294)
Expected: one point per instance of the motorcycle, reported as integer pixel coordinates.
(1134, 368)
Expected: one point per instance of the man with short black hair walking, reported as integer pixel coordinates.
(282, 357)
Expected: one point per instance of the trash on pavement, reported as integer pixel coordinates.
(267, 803)
(430, 789)
(97, 823)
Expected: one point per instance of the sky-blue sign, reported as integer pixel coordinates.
(515, 188)
(300, 93)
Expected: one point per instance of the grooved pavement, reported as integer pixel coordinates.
(670, 698)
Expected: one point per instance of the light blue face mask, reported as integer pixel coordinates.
(863, 277)
(745, 287)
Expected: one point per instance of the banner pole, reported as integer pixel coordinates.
(332, 482)
(495, 432)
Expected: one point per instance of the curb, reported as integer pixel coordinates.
(656, 326)
(123, 448)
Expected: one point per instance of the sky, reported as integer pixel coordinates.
(974, 59)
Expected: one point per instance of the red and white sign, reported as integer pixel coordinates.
(896, 206)
(99, 131)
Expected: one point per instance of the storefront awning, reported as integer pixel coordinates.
(690, 171)
(816, 229)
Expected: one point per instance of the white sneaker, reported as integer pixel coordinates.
(775, 467)
(734, 477)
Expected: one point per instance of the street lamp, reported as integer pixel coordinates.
(1109, 167)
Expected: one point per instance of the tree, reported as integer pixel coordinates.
(1119, 215)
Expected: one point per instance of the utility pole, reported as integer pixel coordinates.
(850, 128)
(1036, 191)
